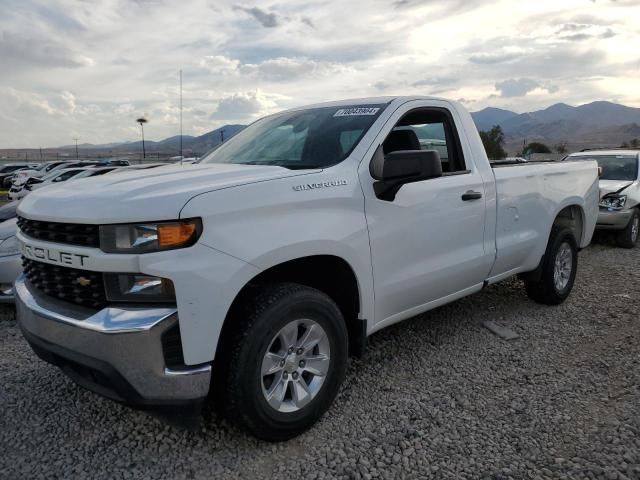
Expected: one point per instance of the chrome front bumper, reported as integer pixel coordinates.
(613, 220)
(116, 352)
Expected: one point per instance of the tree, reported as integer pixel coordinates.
(561, 147)
(536, 147)
(635, 143)
(142, 121)
(493, 142)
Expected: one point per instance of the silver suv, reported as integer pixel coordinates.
(619, 192)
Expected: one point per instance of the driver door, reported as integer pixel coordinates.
(428, 243)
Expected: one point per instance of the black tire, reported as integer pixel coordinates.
(628, 237)
(238, 381)
(544, 290)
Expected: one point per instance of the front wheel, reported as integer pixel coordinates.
(628, 237)
(559, 267)
(285, 361)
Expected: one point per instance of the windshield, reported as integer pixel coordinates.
(312, 138)
(615, 167)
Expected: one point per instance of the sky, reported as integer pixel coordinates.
(88, 69)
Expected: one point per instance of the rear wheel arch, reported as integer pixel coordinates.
(571, 217)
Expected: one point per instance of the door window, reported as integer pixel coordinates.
(428, 129)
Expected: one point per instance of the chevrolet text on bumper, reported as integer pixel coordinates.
(253, 275)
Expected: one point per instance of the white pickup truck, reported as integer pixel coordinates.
(253, 275)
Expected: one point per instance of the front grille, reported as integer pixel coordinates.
(67, 233)
(81, 287)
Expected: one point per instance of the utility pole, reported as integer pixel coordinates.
(76, 139)
(222, 135)
(181, 155)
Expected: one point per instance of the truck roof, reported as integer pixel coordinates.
(368, 101)
(619, 151)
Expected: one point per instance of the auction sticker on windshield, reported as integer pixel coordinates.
(356, 111)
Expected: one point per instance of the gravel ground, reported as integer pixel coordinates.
(438, 396)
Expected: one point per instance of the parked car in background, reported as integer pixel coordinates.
(619, 192)
(8, 170)
(23, 176)
(8, 210)
(142, 166)
(57, 176)
(112, 162)
(40, 171)
(10, 260)
(256, 272)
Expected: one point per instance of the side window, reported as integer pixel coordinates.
(100, 172)
(428, 129)
(66, 176)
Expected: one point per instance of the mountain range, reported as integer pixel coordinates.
(190, 145)
(596, 124)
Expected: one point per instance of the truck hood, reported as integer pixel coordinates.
(141, 195)
(610, 186)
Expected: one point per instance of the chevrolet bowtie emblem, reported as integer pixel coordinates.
(83, 281)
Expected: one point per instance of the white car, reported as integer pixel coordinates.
(57, 176)
(21, 177)
(252, 275)
(619, 192)
(10, 263)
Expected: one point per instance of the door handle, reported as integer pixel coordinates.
(471, 195)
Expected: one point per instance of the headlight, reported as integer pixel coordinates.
(135, 287)
(149, 237)
(9, 246)
(613, 201)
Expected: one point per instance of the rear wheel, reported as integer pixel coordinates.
(628, 237)
(559, 268)
(285, 361)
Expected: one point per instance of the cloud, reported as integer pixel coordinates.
(433, 81)
(516, 87)
(577, 32)
(220, 64)
(279, 69)
(266, 19)
(90, 67)
(243, 106)
(520, 87)
(442, 7)
(18, 50)
(496, 57)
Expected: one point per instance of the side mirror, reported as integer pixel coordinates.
(404, 166)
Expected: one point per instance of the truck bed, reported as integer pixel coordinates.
(527, 196)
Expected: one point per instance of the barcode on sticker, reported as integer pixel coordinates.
(350, 112)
